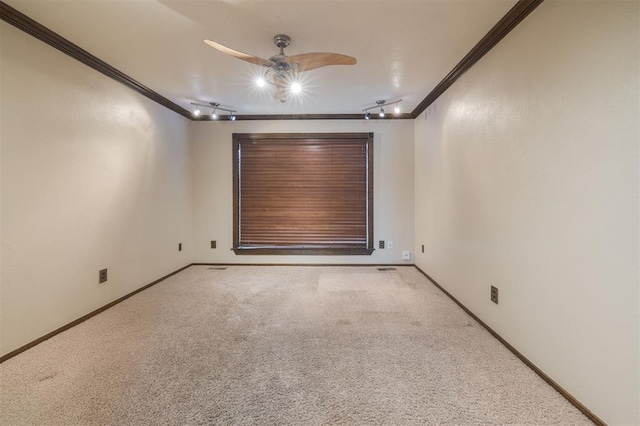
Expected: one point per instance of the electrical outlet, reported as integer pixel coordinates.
(494, 294)
(179, 246)
(102, 276)
(381, 244)
(213, 244)
(406, 255)
(389, 244)
(423, 248)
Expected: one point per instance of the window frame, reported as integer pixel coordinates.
(367, 138)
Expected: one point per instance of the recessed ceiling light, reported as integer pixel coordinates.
(260, 82)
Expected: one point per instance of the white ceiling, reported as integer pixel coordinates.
(403, 47)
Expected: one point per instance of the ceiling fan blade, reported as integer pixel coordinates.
(310, 61)
(243, 56)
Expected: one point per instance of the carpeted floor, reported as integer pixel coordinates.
(279, 346)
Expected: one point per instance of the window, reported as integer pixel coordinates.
(303, 193)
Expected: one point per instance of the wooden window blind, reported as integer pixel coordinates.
(303, 193)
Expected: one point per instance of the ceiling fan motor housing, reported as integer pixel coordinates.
(281, 40)
(282, 68)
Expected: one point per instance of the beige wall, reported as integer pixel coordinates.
(93, 176)
(527, 179)
(213, 195)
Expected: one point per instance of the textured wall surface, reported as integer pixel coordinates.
(213, 187)
(527, 179)
(93, 176)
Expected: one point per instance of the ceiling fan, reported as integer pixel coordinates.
(283, 68)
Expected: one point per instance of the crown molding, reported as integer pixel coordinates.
(255, 117)
(508, 22)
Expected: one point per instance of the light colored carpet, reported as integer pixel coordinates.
(279, 346)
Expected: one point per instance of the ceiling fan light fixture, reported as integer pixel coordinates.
(232, 117)
(397, 110)
(367, 116)
(196, 112)
(260, 82)
(296, 87)
(381, 114)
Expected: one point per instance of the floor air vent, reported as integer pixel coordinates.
(386, 269)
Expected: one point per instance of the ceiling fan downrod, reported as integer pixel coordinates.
(281, 41)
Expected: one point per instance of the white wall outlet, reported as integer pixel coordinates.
(389, 244)
(406, 255)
